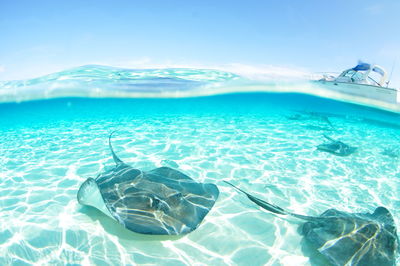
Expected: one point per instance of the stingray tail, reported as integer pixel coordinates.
(271, 207)
(263, 204)
(329, 123)
(115, 157)
(329, 138)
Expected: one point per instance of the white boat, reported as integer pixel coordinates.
(365, 80)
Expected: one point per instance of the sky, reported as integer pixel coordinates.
(40, 37)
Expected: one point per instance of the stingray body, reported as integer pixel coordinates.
(305, 115)
(346, 238)
(162, 201)
(336, 147)
(391, 152)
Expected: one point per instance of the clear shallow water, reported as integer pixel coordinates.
(50, 147)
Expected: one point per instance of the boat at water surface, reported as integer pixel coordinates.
(364, 80)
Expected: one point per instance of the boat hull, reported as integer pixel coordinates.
(388, 95)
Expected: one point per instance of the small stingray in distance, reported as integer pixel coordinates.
(336, 147)
(162, 201)
(305, 115)
(391, 152)
(346, 238)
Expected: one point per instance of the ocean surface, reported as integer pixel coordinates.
(54, 135)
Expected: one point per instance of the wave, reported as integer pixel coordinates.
(97, 81)
(104, 81)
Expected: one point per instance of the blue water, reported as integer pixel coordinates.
(102, 81)
(264, 142)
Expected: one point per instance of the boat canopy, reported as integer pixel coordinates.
(364, 73)
(362, 66)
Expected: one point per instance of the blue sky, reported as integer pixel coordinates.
(39, 37)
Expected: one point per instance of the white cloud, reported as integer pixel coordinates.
(252, 71)
(2, 68)
(267, 72)
(255, 71)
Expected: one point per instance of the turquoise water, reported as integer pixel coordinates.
(104, 81)
(263, 142)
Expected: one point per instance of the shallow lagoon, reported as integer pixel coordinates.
(262, 142)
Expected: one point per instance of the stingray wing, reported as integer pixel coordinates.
(353, 239)
(163, 201)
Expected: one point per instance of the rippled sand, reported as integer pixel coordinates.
(47, 152)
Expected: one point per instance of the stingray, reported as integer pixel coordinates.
(162, 201)
(391, 152)
(336, 147)
(346, 238)
(305, 115)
